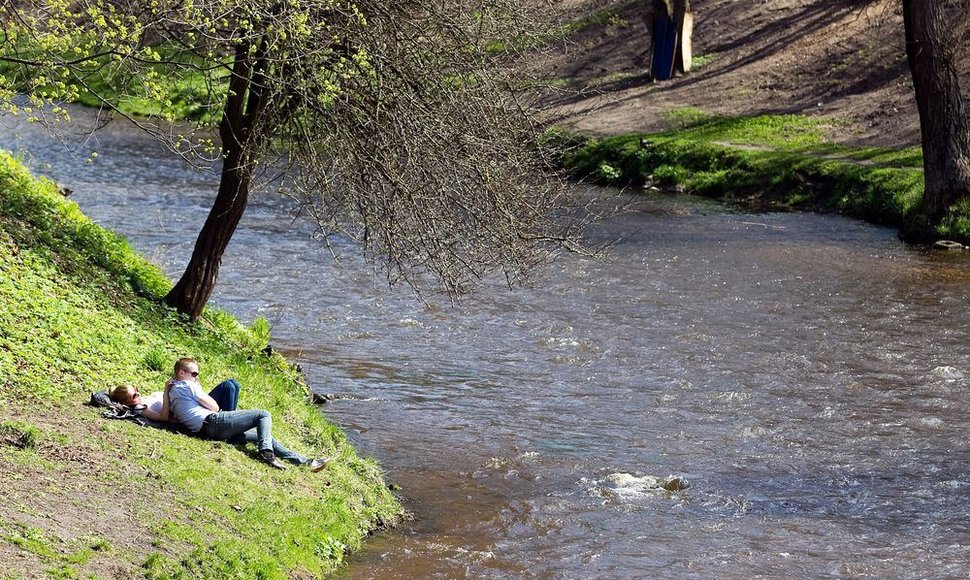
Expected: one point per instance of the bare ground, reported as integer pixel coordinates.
(842, 60)
(71, 494)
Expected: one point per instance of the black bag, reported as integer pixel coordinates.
(119, 411)
(101, 399)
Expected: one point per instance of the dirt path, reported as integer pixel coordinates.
(838, 60)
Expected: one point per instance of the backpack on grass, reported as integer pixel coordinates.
(115, 410)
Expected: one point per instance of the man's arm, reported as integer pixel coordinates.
(208, 402)
(166, 415)
(184, 396)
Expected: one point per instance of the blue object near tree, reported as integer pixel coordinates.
(664, 48)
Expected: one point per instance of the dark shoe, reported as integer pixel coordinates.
(268, 457)
(316, 465)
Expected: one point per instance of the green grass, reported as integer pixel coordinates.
(80, 312)
(600, 18)
(770, 162)
(187, 96)
(61, 557)
(701, 60)
(193, 90)
(20, 434)
(609, 20)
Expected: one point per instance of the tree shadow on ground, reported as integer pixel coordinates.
(608, 61)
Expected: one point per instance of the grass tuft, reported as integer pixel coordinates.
(19, 434)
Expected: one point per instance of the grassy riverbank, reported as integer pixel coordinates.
(87, 496)
(770, 162)
(848, 140)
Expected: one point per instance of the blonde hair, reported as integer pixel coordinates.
(123, 394)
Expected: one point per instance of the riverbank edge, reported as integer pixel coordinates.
(87, 496)
(777, 169)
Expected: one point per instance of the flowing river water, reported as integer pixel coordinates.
(802, 376)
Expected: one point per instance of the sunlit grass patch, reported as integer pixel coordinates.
(61, 557)
(699, 61)
(778, 131)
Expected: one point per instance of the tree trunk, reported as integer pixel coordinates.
(684, 20)
(930, 48)
(191, 293)
(245, 102)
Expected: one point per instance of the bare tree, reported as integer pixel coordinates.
(392, 122)
(935, 35)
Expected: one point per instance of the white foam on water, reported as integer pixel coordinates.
(948, 373)
(627, 487)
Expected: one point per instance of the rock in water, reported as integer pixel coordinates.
(948, 245)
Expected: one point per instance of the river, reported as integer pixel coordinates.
(802, 375)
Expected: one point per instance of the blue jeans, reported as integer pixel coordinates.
(253, 425)
(226, 394)
(252, 436)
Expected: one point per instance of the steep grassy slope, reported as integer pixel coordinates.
(85, 495)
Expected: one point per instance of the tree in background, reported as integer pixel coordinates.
(393, 123)
(935, 34)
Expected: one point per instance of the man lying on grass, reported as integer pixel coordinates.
(213, 415)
